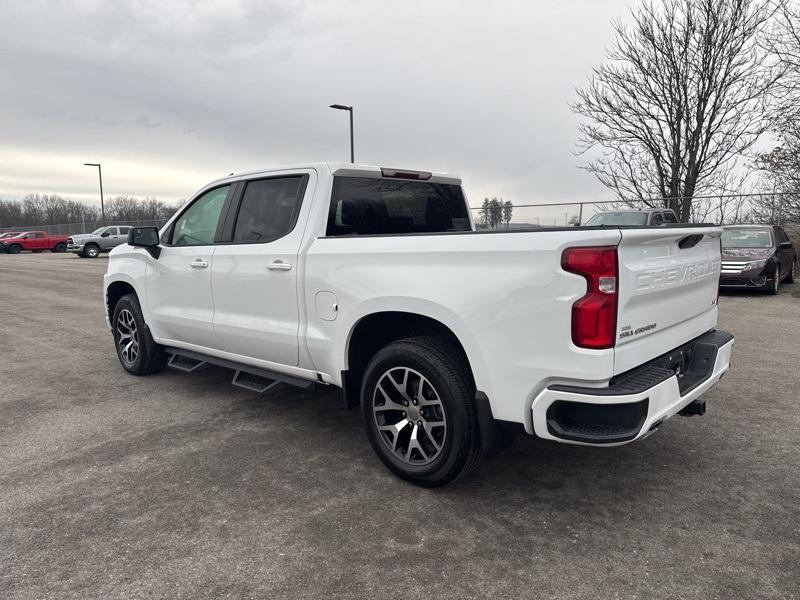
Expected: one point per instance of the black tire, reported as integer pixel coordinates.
(150, 357)
(447, 373)
(60, 247)
(790, 276)
(14, 249)
(774, 287)
(91, 251)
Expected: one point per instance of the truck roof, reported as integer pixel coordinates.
(347, 169)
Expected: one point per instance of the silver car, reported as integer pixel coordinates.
(90, 245)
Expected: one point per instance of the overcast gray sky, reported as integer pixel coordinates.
(171, 94)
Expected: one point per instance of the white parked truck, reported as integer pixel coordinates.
(447, 338)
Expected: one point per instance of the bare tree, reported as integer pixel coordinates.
(43, 209)
(495, 213)
(682, 98)
(508, 211)
(782, 165)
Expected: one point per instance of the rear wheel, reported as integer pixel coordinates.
(137, 351)
(91, 251)
(417, 402)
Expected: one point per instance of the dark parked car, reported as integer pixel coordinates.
(756, 256)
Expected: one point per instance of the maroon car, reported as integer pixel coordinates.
(756, 256)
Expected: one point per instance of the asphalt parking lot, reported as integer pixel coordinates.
(182, 486)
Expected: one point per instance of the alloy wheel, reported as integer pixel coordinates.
(409, 415)
(127, 336)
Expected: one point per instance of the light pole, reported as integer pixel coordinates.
(100, 174)
(350, 110)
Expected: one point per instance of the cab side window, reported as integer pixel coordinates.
(269, 209)
(197, 226)
(669, 217)
(657, 219)
(781, 235)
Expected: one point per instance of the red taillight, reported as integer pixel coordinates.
(594, 316)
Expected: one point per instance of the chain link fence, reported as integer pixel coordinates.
(82, 227)
(778, 208)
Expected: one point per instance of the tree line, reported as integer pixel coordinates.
(494, 213)
(688, 89)
(51, 209)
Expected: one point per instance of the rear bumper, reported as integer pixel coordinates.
(634, 404)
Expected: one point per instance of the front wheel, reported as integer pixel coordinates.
(91, 251)
(60, 247)
(417, 402)
(137, 351)
(14, 249)
(776, 282)
(790, 277)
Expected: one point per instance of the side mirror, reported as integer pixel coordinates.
(147, 238)
(105, 234)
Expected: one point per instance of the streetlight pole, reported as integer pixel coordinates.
(102, 204)
(350, 110)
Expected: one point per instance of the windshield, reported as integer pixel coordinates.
(747, 238)
(98, 231)
(618, 218)
(8, 235)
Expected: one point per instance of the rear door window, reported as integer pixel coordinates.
(657, 219)
(268, 209)
(669, 217)
(364, 206)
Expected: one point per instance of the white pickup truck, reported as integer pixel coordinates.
(374, 280)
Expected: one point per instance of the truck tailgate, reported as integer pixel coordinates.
(668, 281)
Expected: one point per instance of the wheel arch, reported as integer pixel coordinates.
(116, 290)
(376, 328)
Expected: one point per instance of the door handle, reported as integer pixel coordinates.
(279, 265)
(198, 263)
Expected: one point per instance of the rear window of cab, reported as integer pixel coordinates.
(369, 206)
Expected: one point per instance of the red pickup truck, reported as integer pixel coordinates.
(35, 241)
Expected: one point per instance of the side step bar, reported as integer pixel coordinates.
(184, 363)
(247, 377)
